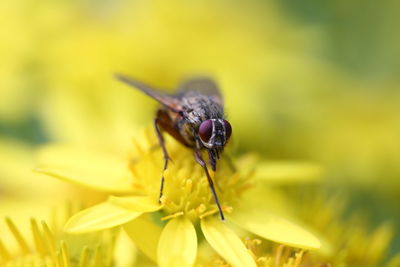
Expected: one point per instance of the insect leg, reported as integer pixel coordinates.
(200, 160)
(166, 157)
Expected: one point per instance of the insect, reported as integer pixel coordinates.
(194, 116)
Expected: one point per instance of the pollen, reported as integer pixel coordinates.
(186, 188)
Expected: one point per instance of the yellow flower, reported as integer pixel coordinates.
(347, 242)
(278, 255)
(23, 193)
(133, 183)
(46, 245)
(353, 240)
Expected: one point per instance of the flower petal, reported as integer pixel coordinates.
(275, 228)
(145, 234)
(283, 172)
(102, 216)
(272, 200)
(226, 243)
(124, 244)
(135, 203)
(178, 243)
(80, 115)
(93, 169)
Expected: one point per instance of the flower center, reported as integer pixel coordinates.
(186, 188)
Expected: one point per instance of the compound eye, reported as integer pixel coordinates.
(205, 130)
(228, 129)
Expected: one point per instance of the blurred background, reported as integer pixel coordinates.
(303, 80)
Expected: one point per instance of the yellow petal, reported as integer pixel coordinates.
(136, 203)
(178, 244)
(93, 169)
(125, 251)
(282, 172)
(145, 234)
(226, 243)
(91, 115)
(102, 216)
(16, 164)
(275, 228)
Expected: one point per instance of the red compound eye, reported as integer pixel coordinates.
(228, 129)
(205, 130)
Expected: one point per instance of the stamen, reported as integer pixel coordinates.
(208, 213)
(97, 257)
(64, 254)
(48, 237)
(298, 258)
(177, 214)
(264, 260)
(201, 208)
(278, 254)
(188, 186)
(84, 258)
(37, 238)
(4, 254)
(17, 235)
(51, 252)
(59, 262)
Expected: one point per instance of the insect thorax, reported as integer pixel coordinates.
(200, 108)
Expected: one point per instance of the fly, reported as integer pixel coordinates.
(194, 116)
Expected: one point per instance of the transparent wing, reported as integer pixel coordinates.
(165, 99)
(204, 86)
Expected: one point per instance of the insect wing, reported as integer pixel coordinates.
(204, 86)
(169, 101)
